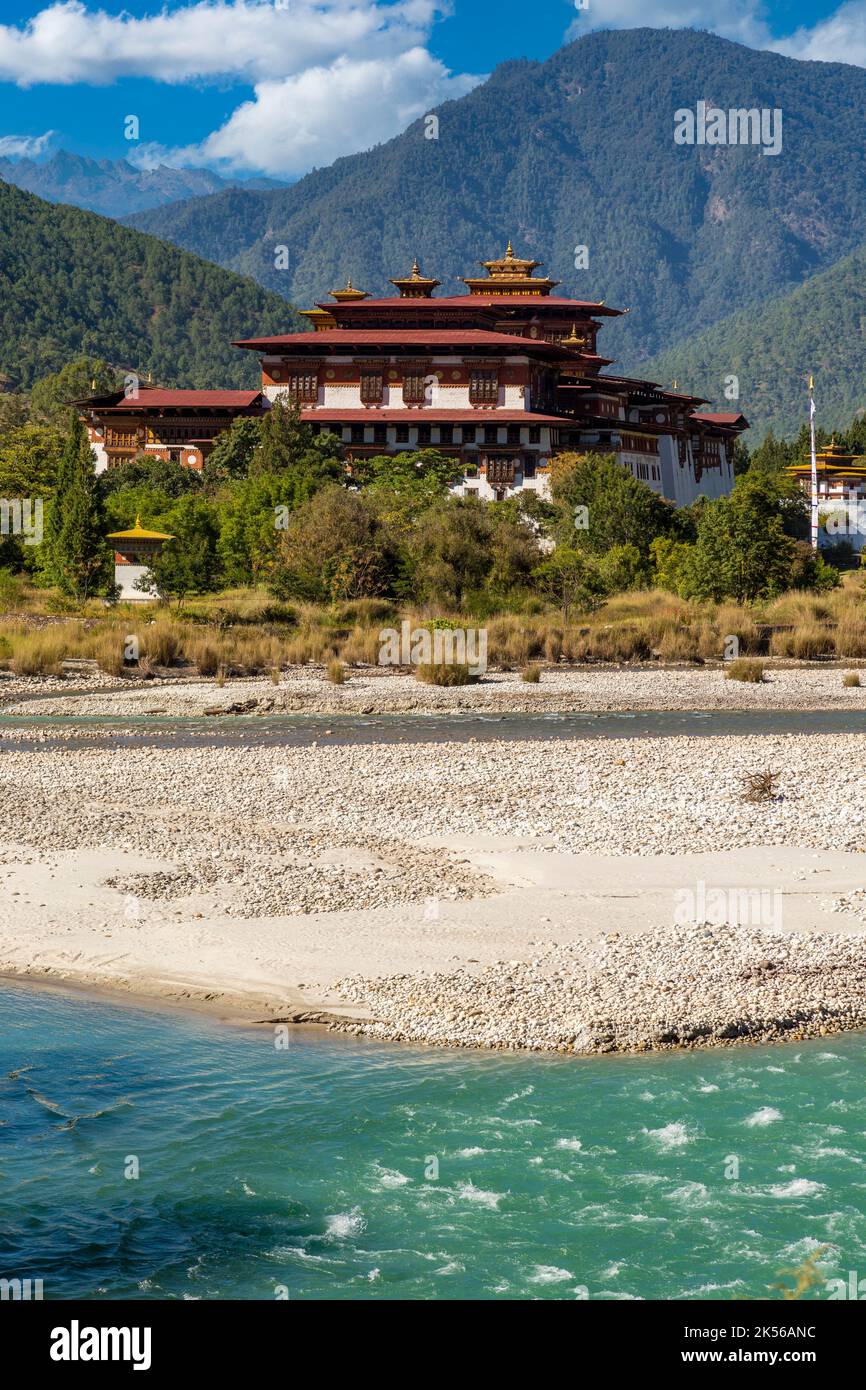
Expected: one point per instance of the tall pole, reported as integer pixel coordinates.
(814, 463)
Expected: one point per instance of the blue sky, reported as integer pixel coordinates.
(278, 86)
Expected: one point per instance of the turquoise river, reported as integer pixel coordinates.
(150, 1154)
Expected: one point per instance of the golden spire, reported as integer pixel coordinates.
(573, 340)
(510, 275)
(349, 294)
(415, 285)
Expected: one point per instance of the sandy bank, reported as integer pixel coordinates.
(254, 880)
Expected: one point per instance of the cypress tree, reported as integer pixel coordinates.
(78, 554)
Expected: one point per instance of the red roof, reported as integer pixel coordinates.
(727, 417)
(478, 301)
(349, 338)
(405, 416)
(153, 398)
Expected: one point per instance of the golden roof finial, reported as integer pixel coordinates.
(348, 294)
(416, 285)
(509, 274)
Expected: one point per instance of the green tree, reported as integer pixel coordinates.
(569, 579)
(77, 558)
(289, 446)
(670, 561)
(603, 505)
(52, 396)
(742, 549)
(145, 471)
(334, 548)
(189, 563)
(233, 451)
(624, 567)
(29, 459)
(450, 550)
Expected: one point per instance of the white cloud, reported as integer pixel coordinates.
(24, 146)
(740, 20)
(317, 116)
(840, 38)
(248, 40)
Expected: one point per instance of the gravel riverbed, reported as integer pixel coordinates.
(679, 986)
(292, 835)
(304, 690)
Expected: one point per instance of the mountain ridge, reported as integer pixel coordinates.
(584, 156)
(819, 327)
(75, 284)
(114, 187)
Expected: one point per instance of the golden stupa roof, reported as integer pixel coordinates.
(415, 285)
(138, 533)
(345, 296)
(509, 274)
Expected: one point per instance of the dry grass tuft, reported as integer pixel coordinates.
(746, 669)
(445, 673)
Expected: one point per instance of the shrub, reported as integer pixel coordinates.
(679, 644)
(445, 673)
(335, 672)
(107, 649)
(851, 678)
(805, 642)
(746, 669)
(207, 656)
(531, 674)
(162, 643)
(851, 637)
(12, 590)
(40, 653)
(760, 786)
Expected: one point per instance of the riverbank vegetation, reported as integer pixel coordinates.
(286, 553)
(246, 632)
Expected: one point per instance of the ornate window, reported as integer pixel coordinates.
(372, 384)
(415, 386)
(483, 386)
(303, 387)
